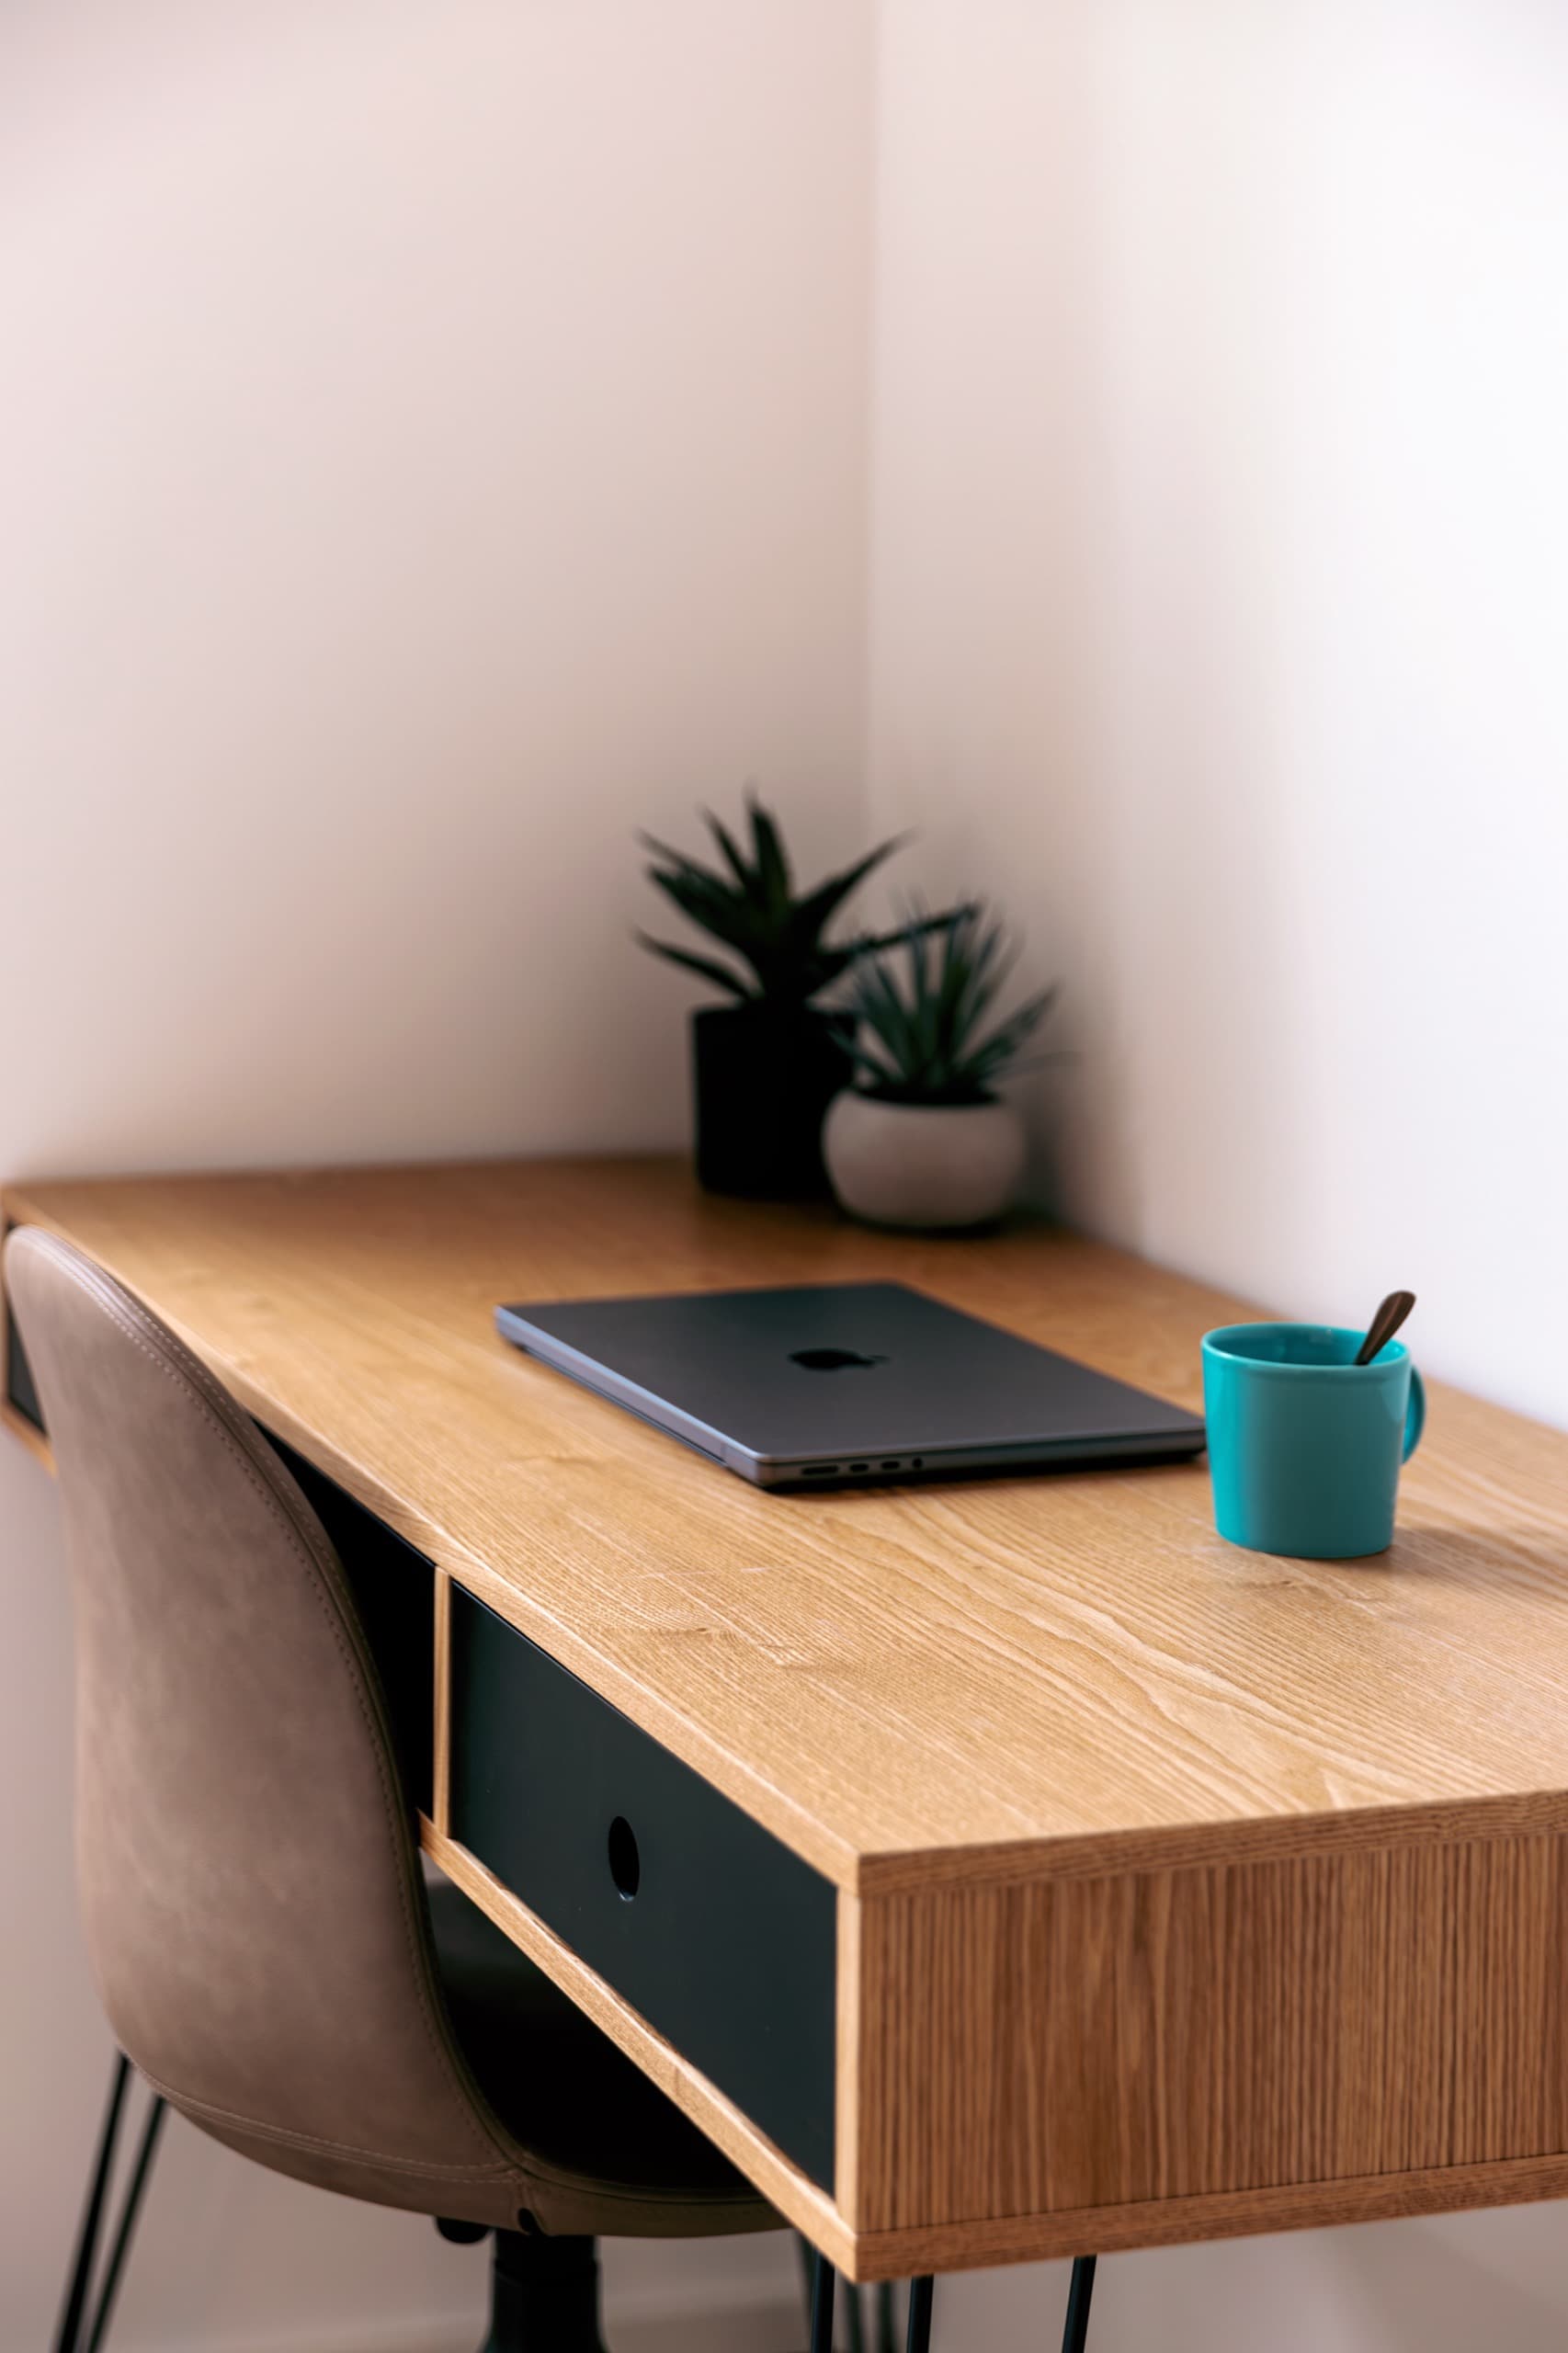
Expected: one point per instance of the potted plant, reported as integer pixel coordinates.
(922, 1137)
(766, 1066)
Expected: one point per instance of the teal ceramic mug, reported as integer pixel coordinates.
(1304, 1444)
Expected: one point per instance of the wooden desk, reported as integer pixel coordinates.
(1176, 1891)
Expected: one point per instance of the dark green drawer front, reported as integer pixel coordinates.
(722, 1939)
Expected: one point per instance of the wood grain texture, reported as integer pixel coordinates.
(1083, 2043)
(1181, 2221)
(1069, 1673)
(799, 2201)
(441, 1697)
(852, 2110)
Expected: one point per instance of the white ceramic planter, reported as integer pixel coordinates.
(905, 1164)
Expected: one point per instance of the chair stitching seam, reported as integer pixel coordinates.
(186, 2100)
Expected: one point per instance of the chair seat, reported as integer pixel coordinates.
(559, 2084)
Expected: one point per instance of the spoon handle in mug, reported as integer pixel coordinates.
(1385, 1324)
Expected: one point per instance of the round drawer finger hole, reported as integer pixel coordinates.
(625, 1862)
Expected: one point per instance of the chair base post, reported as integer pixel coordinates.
(544, 2295)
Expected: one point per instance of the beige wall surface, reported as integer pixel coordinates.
(433, 447)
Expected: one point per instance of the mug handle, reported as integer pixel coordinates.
(1415, 1416)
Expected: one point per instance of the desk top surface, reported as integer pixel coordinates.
(1068, 1673)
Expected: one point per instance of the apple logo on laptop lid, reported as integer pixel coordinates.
(832, 1359)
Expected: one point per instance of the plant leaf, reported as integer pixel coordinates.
(869, 943)
(1002, 1046)
(772, 864)
(922, 997)
(705, 965)
(678, 862)
(744, 875)
(712, 906)
(811, 915)
(747, 905)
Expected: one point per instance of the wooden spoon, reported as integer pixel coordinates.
(1385, 1324)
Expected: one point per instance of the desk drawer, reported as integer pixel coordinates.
(702, 1920)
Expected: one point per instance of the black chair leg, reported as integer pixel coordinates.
(544, 2295)
(1076, 2335)
(129, 2212)
(68, 2336)
(922, 2292)
(821, 2304)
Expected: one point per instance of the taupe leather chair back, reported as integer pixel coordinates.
(250, 1889)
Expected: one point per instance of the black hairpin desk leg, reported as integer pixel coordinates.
(921, 2293)
(821, 2304)
(1076, 2335)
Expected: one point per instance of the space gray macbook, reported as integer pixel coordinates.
(836, 1384)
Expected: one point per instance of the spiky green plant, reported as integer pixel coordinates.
(752, 909)
(921, 1009)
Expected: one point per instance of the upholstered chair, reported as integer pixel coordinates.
(269, 1953)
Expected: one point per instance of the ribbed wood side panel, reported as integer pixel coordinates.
(1088, 2042)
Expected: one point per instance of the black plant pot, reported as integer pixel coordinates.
(764, 1076)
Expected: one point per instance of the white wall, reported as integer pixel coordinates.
(1220, 592)
(432, 447)
(1220, 589)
